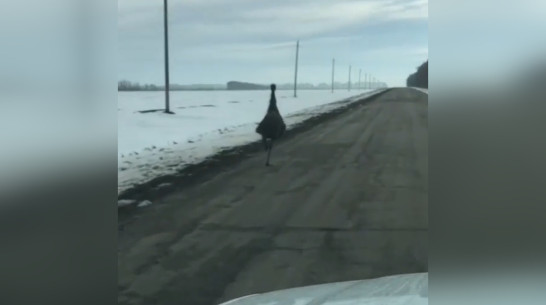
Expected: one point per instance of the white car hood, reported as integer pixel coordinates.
(407, 289)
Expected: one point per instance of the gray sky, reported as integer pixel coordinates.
(215, 41)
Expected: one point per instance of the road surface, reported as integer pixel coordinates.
(345, 200)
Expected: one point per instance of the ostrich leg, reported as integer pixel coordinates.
(269, 153)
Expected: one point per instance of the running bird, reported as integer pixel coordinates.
(272, 126)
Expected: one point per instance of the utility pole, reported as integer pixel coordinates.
(296, 72)
(359, 74)
(166, 32)
(349, 85)
(333, 64)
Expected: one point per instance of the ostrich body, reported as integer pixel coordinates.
(272, 125)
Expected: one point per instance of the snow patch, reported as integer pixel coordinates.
(144, 203)
(126, 202)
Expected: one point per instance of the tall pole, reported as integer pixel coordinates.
(166, 32)
(359, 74)
(296, 72)
(333, 64)
(349, 85)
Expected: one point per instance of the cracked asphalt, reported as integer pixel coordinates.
(344, 200)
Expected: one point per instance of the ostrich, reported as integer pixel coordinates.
(272, 126)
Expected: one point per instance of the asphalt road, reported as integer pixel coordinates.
(345, 200)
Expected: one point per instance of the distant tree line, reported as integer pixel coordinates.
(236, 85)
(126, 85)
(419, 78)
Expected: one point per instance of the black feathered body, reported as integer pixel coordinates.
(272, 125)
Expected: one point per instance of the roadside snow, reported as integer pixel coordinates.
(154, 144)
(126, 202)
(144, 203)
(421, 89)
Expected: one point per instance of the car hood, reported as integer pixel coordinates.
(407, 289)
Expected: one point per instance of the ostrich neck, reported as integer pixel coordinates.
(272, 102)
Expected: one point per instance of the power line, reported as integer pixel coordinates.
(166, 32)
(333, 64)
(349, 84)
(359, 74)
(296, 72)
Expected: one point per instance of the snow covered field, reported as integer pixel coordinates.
(156, 144)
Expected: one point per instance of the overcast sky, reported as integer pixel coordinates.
(215, 41)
